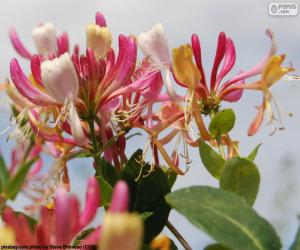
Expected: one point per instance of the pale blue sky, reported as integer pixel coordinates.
(245, 22)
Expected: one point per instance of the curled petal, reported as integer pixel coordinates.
(235, 95)
(229, 60)
(256, 123)
(221, 49)
(25, 87)
(35, 64)
(260, 66)
(18, 45)
(197, 56)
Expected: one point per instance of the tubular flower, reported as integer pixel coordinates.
(155, 47)
(192, 76)
(121, 232)
(99, 39)
(44, 37)
(58, 225)
(272, 72)
(47, 42)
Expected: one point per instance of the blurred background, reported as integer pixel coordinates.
(245, 22)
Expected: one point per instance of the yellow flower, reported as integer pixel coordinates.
(184, 68)
(99, 39)
(121, 231)
(161, 242)
(273, 71)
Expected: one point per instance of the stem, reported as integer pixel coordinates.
(95, 144)
(220, 147)
(178, 236)
(2, 204)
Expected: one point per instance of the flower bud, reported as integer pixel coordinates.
(121, 232)
(44, 37)
(154, 44)
(60, 78)
(99, 39)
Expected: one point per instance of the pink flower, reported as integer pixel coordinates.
(58, 225)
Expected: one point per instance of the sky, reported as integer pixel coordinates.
(245, 22)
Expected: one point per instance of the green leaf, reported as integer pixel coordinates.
(296, 243)
(109, 172)
(146, 215)
(4, 176)
(242, 177)
(226, 217)
(171, 176)
(252, 155)
(17, 181)
(147, 193)
(216, 246)
(213, 162)
(82, 235)
(222, 122)
(106, 191)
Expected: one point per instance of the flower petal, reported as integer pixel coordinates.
(18, 45)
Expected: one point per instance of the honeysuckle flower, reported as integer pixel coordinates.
(272, 72)
(99, 39)
(44, 37)
(155, 47)
(121, 232)
(60, 224)
(60, 79)
(46, 40)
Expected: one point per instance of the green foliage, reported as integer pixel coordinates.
(4, 176)
(213, 162)
(147, 191)
(16, 182)
(106, 191)
(252, 155)
(222, 122)
(171, 176)
(216, 247)
(82, 235)
(241, 176)
(296, 243)
(226, 217)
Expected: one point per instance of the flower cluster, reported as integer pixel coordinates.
(86, 102)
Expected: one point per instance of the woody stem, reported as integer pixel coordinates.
(95, 145)
(179, 237)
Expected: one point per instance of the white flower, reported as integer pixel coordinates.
(60, 78)
(44, 37)
(154, 44)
